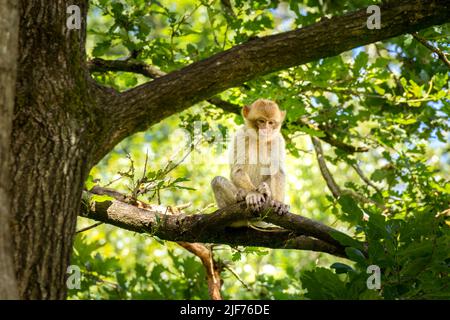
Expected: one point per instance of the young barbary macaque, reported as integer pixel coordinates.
(257, 156)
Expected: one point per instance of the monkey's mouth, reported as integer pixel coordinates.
(265, 132)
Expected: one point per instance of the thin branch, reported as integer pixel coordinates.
(144, 174)
(128, 65)
(328, 138)
(238, 277)
(434, 49)
(364, 177)
(212, 268)
(331, 183)
(89, 227)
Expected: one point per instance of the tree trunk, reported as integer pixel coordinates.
(50, 146)
(9, 23)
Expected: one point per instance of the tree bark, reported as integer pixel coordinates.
(9, 29)
(50, 146)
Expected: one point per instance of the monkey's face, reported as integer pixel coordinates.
(265, 117)
(266, 127)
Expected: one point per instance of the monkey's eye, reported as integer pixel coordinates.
(260, 121)
(271, 123)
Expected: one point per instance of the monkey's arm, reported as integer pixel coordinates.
(238, 160)
(241, 179)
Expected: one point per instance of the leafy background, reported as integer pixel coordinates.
(392, 97)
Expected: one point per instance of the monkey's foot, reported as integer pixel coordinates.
(264, 189)
(255, 201)
(279, 207)
(240, 195)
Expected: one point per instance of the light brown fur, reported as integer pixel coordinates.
(257, 161)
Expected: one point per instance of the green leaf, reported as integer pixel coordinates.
(312, 132)
(351, 208)
(405, 121)
(323, 284)
(346, 240)
(415, 266)
(89, 183)
(360, 62)
(355, 255)
(379, 175)
(379, 90)
(236, 256)
(341, 268)
(101, 48)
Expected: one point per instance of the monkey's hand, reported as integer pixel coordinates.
(264, 189)
(279, 207)
(240, 195)
(255, 200)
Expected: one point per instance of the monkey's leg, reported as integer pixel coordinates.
(226, 194)
(224, 191)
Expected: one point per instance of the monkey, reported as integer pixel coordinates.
(257, 156)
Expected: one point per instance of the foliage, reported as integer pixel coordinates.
(392, 97)
(409, 243)
(182, 280)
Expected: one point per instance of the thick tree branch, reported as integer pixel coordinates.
(300, 233)
(140, 107)
(140, 67)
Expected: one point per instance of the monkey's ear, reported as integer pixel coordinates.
(245, 111)
(283, 114)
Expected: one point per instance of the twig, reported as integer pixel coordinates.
(238, 277)
(145, 165)
(364, 178)
(112, 181)
(89, 227)
(206, 208)
(441, 55)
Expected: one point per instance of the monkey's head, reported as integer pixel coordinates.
(265, 117)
